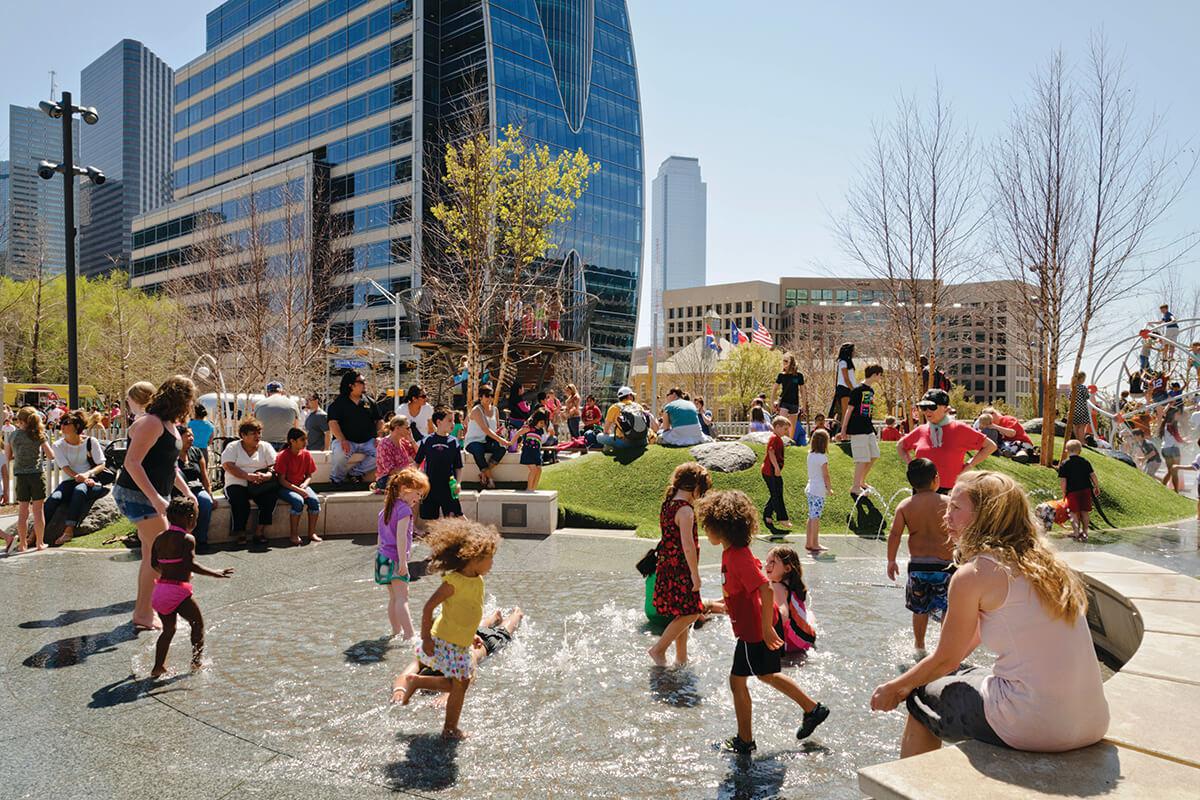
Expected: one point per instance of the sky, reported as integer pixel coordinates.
(777, 104)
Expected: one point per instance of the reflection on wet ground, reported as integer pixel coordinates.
(293, 699)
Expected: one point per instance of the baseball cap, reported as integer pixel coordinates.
(934, 398)
(624, 391)
(274, 386)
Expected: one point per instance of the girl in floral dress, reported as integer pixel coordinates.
(677, 581)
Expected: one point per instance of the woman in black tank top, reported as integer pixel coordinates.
(147, 475)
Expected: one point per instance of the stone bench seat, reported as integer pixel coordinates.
(509, 471)
(1148, 619)
(357, 512)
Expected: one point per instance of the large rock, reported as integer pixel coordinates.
(103, 512)
(724, 456)
(758, 437)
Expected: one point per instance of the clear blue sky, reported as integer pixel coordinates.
(776, 98)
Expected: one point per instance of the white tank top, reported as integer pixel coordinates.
(475, 432)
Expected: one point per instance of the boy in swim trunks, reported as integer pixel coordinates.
(173, 557)
(930, 552)
(494, 633)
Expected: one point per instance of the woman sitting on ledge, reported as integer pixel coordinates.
(1044, 693)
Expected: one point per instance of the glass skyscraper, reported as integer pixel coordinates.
(36, 234)
(367, 90)
(131, 144)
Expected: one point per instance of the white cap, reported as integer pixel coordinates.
(624, 391)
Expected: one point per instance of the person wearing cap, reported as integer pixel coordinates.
(613, 437)
(944, 441)
(278, 414)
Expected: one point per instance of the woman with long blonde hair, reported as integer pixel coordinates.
(1013, 594)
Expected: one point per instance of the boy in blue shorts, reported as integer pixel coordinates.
(930, 552)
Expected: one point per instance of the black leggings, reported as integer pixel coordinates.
(239, 505)
(774, 507)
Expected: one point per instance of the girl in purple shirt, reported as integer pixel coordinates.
(404, 490)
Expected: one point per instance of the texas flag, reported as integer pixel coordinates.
(710, 339)
(760, 335)
(736, 336)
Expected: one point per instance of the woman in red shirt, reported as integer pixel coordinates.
(944, 441)
(294, 466)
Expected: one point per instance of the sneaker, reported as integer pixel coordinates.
(735, 744)
(811, 720)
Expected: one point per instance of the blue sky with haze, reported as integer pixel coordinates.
(775, 98)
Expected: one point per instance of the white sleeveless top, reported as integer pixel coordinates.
(475, 432)
(1045, 693)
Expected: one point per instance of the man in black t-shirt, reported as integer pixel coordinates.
(858, 428)
(354, 424)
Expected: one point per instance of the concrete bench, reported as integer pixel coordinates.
(1148, 619)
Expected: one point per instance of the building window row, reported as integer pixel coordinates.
(262, 201)
(359, 69)
(317, 52)
(354, 109)
(372, 217)
(370, 179)
(376, 254)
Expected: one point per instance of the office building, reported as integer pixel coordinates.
(359, 95)
(36, 233)
(980, 344)
(677, 239)
(3, 216)
(131, 87)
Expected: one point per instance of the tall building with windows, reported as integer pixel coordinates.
(131, 87)
(3, 215)
(678, 214)
(36, 233)
(366, 92)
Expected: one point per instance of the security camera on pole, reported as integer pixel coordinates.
(46, 170)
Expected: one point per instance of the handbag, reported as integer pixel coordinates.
(266, 487)
(104, 477)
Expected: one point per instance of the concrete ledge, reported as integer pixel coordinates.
(1145, 617)
(534, 513)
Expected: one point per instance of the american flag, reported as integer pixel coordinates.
(760, 334)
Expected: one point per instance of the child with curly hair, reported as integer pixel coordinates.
(462, 551)
(677, 585)
(730, 520)
(404, 490)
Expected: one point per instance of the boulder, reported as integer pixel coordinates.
(760, 437)
(724, 456)
(103, 512)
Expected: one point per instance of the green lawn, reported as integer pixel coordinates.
(599, 491)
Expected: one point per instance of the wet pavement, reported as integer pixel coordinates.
(293, 701)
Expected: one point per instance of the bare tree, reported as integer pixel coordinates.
(913, 216)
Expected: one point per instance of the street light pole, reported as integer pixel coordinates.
(68, 174)
(65, 111)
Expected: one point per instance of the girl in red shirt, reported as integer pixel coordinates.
(294, 466)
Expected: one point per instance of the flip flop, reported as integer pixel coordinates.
(60, 541)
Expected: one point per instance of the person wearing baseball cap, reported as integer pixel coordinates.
(944, 441)
(615, 435)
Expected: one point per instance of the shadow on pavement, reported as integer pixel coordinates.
(79, 615)
(678, 687)
(429, 764)
(77, 649)
(753, 778)
(129, 689)
(368, 651)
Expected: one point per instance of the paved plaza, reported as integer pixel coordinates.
(293, 701)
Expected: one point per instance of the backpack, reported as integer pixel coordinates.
(940, 381)
(633, 423)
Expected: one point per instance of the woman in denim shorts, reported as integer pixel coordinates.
(150, 470)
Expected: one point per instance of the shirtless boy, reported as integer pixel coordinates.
(930, 552)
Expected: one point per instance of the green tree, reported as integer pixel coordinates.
(503, 203)
(747, 372)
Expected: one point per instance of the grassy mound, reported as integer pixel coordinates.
(625, 492)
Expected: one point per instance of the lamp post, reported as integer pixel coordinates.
(204, 371)
(46, 170)
(394, 299)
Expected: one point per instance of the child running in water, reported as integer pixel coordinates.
(173, 557)
(793, 621)
(494, 633)
(818, 488)
(404, 490)
(930, 552)
(730, 519)
(677, 573)
(462, 551)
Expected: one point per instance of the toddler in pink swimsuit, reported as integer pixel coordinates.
(173, 557)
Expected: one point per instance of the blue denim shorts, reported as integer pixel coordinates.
(133, 504)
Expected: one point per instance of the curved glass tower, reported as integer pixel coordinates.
(564, 71)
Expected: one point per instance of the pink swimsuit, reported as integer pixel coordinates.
(167, 594)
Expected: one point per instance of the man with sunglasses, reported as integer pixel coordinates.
(354, 422)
